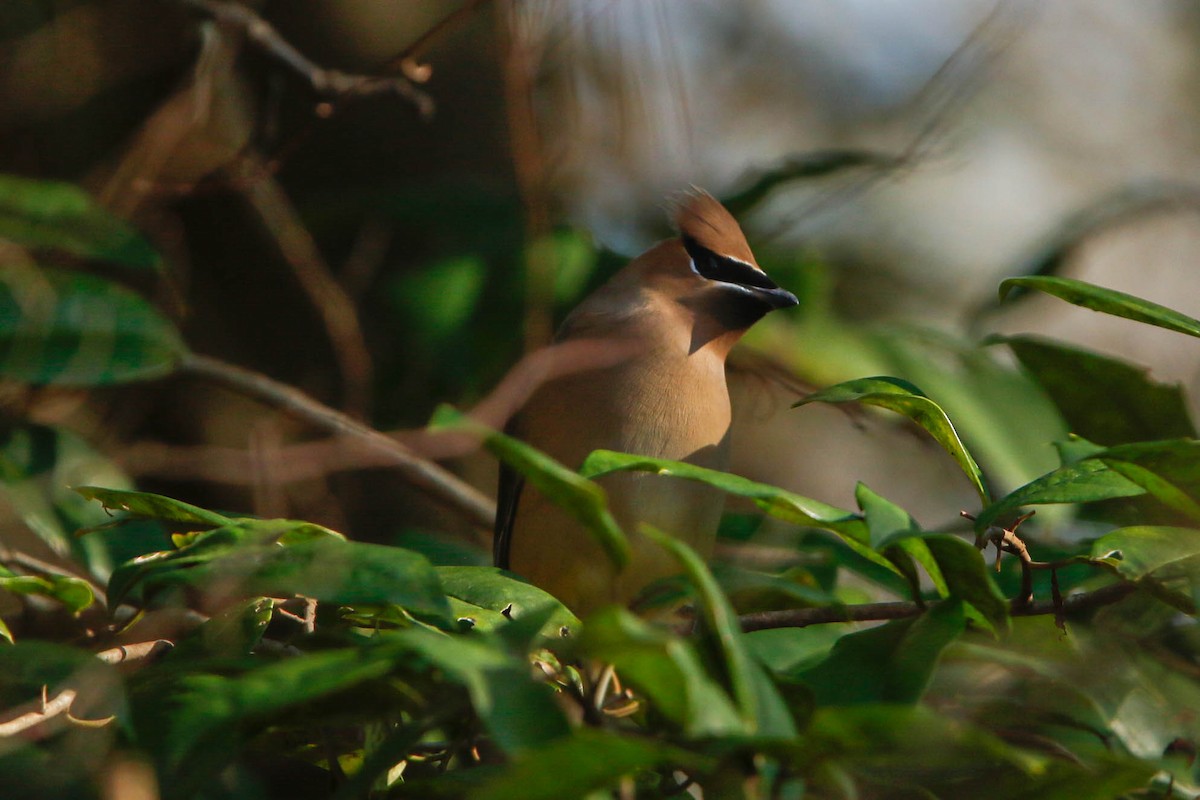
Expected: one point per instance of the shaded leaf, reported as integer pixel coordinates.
(588, 760)
(580, 497)
(1146, 550)
(968, 578)
(1108, 301)
(757, 700)
(904, 398)
(1103, 399)
(663, 667)
(891, 663)
(62, 216)
(498, 591)
(73, 593)
(73, 329)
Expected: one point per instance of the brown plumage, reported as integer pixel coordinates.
(671, 316)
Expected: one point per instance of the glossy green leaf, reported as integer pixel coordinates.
(1103, 399)
(904, 398)
(887, 522)
(580, 497)
(73, 593)
(1108, 301)
(777, 502)
(890, 663)
(587, 761)
(968, 577)
(1147, 550)
(73, 329)
(519, 712)
(495, 590)
(664, 668)
(61, 216)
(757, 700)
(1086, 481)
(255, 558)
(153, 506)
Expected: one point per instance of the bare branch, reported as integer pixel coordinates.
(425, 474)
(124, 653)
(331, 84)
(874, 612)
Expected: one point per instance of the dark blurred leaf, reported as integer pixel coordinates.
(579, 496)
(152, 506)
(73, 329)
(777, 502)
(1108, 301)
(436, 300)
(968, 578)
(255, 558)
(663, 667)
(38, 465)
(493, 589)
(1103, 399)
(758, 702)
(61, 216)
(233, 632)
(587, 761)
(902, 397)
(751, 590)
(891, 663)
(73, 593)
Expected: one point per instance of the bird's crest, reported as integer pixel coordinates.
(701, 218)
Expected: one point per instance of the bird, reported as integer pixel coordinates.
(668, 320)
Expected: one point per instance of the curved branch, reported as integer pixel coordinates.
(438, 482)
(874, 612)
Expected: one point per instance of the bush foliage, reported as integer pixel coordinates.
(303, 664)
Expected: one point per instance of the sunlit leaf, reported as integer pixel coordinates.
(1108, 301)
(1086, 481)
(74, 329)
(73, 593)
(1140, 551)
(777, 502)
(152, 506)
(583, 499)
(61, 216)
(503, 593)
(902, 397)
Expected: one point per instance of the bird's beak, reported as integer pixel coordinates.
(775, 297)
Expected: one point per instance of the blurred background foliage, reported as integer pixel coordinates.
(393, 246)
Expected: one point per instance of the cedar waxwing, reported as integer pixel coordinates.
(672, 315)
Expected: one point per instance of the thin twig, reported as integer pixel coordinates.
(875, 612)
(330, 84)
(332, 303)
(409, 63)
(438, 482)
(124, 653)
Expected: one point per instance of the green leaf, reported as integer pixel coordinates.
(518, 711)
(887, 522)
(587, 761)
(1086, 481)
(777, 502)
(73, 593)
(257, 558)
(498, 591)
(72, 329)
(904, 398)
(891, 663)
(61, 216)
(153, 506)
(664, 668)
(1108, 301)
(758, 702)
(967, 577)
(580, 497)
(1103, 399)
(1148, 550)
